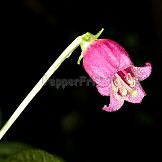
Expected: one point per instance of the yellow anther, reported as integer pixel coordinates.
(133, 93)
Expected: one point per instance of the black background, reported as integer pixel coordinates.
(69, 122)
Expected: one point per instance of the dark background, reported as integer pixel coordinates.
(69, 122)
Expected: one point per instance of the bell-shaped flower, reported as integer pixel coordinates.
(109, 66)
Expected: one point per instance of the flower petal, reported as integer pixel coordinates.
(142, 72)
(116, 103)
(140, 94)
(121, 54)
(104, 91)
(96, 65)
(103, 58)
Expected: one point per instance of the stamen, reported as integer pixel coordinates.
(115, 88)
(118, 87)
(129, 89)
(130, 80)
(117, 83)
(123, 91)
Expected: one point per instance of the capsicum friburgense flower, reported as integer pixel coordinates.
(110, 67)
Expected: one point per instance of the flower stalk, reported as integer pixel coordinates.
(65, 54)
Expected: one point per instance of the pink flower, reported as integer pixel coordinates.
(109, 66)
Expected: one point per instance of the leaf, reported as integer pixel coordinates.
(8, 148)
(33, 155)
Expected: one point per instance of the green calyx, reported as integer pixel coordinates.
(87, 39)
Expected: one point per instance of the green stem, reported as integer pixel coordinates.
(65, 54)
